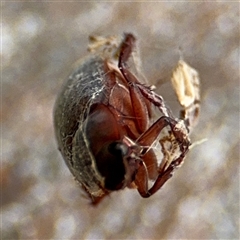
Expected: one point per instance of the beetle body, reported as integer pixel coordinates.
(106, 131)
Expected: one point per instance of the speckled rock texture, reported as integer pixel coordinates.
(40, 43)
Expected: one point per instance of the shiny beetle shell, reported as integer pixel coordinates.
(108, 131)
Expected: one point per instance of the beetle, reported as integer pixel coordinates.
(114, 131)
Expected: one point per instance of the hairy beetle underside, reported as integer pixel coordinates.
(113, 130)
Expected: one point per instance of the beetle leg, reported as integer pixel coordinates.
(142, 183)
(178, 130)
(141, 179)
(146, 92)
(125, 52)
(155, 99)
(139, 106)
(147, 139)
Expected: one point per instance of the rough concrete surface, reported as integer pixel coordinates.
(40, 43)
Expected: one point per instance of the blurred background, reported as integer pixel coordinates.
(40, 43)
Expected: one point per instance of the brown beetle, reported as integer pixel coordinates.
(115, 132)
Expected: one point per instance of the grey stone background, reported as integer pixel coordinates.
(40, 43)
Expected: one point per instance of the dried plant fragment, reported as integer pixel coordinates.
(185, 81)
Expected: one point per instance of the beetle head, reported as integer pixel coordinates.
(117, 164)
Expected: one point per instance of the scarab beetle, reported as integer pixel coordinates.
(113, 131)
